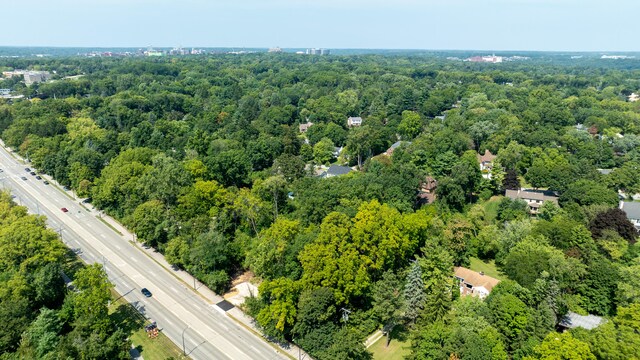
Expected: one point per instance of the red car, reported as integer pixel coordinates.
(64, 209)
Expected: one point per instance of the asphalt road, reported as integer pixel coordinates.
(177, 309)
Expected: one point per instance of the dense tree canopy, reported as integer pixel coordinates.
(203, 159)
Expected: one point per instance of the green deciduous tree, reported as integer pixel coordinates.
(388, 302)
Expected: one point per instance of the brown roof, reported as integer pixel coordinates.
(526, 194)
(474, 278)
(429, 184)
(487, 157)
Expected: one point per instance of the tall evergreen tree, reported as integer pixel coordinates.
(414, 293)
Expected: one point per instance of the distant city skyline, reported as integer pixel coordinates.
(527, 25)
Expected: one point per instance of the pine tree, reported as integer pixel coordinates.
(414, 293)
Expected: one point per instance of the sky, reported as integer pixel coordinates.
(546, 25)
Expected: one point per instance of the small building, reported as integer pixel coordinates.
(335, 170)
(634, 97)
(354, 121)
(486, 163)
(337, 150)
(32, 77)
(632, 209)
(427, 192)
(394, 146)
(605, 171)
(474, 283)
(572, 320)
(304, 127)
(533, 198)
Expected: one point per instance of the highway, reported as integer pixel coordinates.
(179, 312)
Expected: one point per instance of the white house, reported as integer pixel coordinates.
(474, 283)
(354, 121)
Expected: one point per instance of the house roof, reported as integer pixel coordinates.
(338, 170)
(605, 171)
(573, 320)
(355, 119)
(487, 157)
(429, 184)
(395, 145)
(543, 195)
(474, 278)
(305, 126)
(632, 209)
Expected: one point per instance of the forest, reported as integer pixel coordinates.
(203, 158)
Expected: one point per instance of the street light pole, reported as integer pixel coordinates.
(184, 351)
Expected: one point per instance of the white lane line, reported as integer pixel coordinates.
(169, 322)
(103, 236)
(174, 289)
(134, 259)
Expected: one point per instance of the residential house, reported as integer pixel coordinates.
(304, 127)
(354, 121)
(474, 283)
(427, 192)
(632, 209)
(572, 320)
(486, 163)
(395, 145)
(533, 198)
(335, 170)
(634, 97)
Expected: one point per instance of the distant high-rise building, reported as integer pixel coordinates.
(275, 50)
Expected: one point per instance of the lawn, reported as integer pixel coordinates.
(133, 323)
(398, 347)
(491, 208)
(489, 268)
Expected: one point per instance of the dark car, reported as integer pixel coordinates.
(38, 177)
(64, 209)
(27, 169)
(145, 292)
(23, 178)
(33, 173)
(46, 182)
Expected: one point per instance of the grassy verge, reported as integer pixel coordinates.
(398, 348)
(129, 319)
(109, 225)
(489, 268)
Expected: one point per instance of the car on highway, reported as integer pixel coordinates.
(46, 182)
(64, 209)
(1, 170)
(33, 173)
(146, 292)
(38, 177)
(27, 169)
(23, 178)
